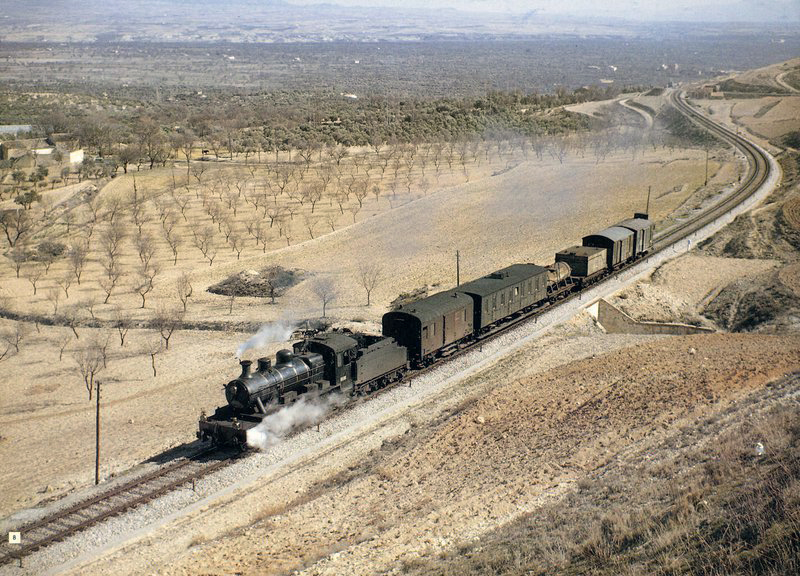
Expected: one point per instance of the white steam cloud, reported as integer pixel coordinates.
(275, 332)
(274, 427)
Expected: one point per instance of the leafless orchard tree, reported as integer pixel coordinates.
(153, 348)
(354, 210)
(65, 282)
(310, 222)
(325, 290)
(113, 273)
(144, 281)
(78, 255)
(90, 363)
(11, 338)
(166, 321)
(184, 289)
(236, 240)
(111, 241)
(54, 297)
(146, 248)
(34, 273)
(261, 234)
(63, 342)
(70, 318)
(15, 224)
(89, 304)
(204, 240)
(330, 220)
(369, 276)
(122, 322)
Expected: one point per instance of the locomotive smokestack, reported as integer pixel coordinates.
(264, 364)
(245, 368)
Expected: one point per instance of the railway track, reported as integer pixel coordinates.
(118, 500)
(87, 513)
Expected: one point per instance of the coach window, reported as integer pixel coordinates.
(502, 299)
(465, 314)
(433, 329)
(516, 291)
(425, 333)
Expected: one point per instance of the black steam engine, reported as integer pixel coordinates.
(419, 333)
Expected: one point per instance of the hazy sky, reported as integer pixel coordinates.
(661, 10)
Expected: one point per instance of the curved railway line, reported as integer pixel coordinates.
(73, 519)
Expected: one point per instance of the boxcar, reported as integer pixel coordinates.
(505, 292)
(584, 261)
(618, 243)
(642, 234)
(427, 326)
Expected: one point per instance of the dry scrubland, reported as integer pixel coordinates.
(547, 426)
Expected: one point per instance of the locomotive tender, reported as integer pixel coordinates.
(419, 333)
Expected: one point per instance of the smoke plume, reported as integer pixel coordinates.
(274, 427)
(275, 332)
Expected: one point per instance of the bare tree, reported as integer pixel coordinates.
(19, 255)
(65, 282)
(369, 276)
(88, 304)
(275, 213)
(271, 276)
(122, 322)
(184, 288)
(112, 275)
(324, 289)
(34, 273)
(15, 224)
(54, 296)
(90, 362)
(69, 316)
(111, 241)
(310, 223)
(144, 282)
(166, 322)
(354, 209)
(236, 240)
(204, 240)
(12, 337)
(63, 342)
(146, 248)
(330, 220)
(78, 255)
(154, 347)
(261, 234)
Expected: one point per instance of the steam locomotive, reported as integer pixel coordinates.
(418, 334)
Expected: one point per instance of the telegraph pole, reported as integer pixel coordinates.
(97, 438)
(706, 182)
(458, 270)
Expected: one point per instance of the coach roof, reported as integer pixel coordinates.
(505, 278)
(436, 306)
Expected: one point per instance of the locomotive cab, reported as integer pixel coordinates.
(338, 352)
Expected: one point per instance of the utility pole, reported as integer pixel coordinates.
(647, 207)
(97, 438)
(706, 182)
(458, 270)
